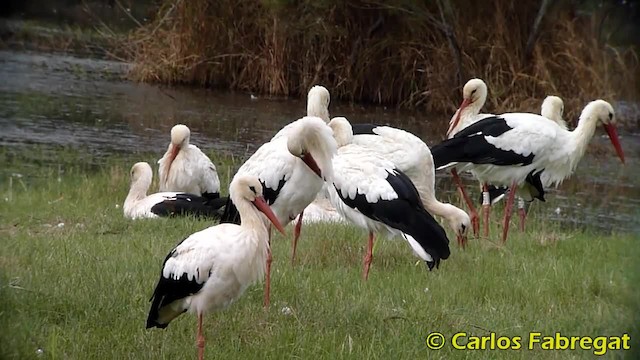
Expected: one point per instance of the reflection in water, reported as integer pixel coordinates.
(55, 100)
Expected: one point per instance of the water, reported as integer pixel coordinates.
(55, 100)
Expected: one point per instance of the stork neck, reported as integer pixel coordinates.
(582, 135)
(250, 217)
(138, 190)
(315, 108)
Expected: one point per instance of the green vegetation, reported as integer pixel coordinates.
(406, 53)
(75, 279)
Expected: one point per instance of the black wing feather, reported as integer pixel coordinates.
(169, 290)
(470, 145)
(184, 204)
(407, 214)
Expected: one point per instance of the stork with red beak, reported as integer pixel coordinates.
(521, 148)
(292, 168)
(185, 168)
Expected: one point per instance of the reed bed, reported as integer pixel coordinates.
(394, 53)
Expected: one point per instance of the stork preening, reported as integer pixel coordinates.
(292, 168)
(474, 95)
(406, 151)
(517, 149)
(185, 168)
(212, 268)
(140, 205)
(374, 194)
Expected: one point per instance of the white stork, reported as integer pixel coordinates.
(406, 151)
(292, 168)
(140, 205)
(184, 167)
(552, 108)
(521, 148)
(211, 268)
(374, 194)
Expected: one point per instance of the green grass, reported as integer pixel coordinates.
(81, 290)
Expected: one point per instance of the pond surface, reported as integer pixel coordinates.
(53, 100)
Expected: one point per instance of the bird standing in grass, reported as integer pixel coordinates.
(526, 150)
(370, 191)
(211, 268)
(184, 167)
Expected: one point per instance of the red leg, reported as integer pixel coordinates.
(507, 211)
(368, 257)
(486, 207)
(267, 275)
(296, 235)
(522, 212)
(472, 210)
(200, 339)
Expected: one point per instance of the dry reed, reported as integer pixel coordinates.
(387, 52)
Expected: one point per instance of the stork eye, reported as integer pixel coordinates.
(610, 116)
(474, 91)
(464, 227)
(252, 188)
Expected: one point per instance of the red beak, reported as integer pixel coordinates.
(613, 135)
(262, 205)
(172, 155)
(311, 163)
(455, 122)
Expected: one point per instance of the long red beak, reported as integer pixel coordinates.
(312, 164)
(455, 122)
(172, 155)
(613, 135)
(265, 209)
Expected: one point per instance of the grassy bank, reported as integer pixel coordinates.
(75, 279)
(401, 53)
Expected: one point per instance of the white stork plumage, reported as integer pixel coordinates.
(139, 205)
(517, 149)
(292, 168)
(184, 167)
(211, 268)
(374, 194)
(405, 150)
(552, 108)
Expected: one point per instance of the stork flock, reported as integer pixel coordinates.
(322, 169)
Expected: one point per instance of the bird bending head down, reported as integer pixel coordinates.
(474, 94)
(314, 144)
(342, 131)
(318, 102)
(180, 135)
(553, 108)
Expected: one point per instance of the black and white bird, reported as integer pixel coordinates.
(552, 108)
(211, 268)
(523, 149)
(292, 167)
(406, 151)
(139, 205)
(371, 192)
(185, 168)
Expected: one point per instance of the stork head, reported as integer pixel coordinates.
(180, 135)
(459, 221)
(312, 141)
(553, 108)
(247, 188)
(141, 175)
(342, 130)
(318, 102)
(603, 113)
(474, 95)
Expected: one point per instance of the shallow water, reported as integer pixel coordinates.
(55, 100)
